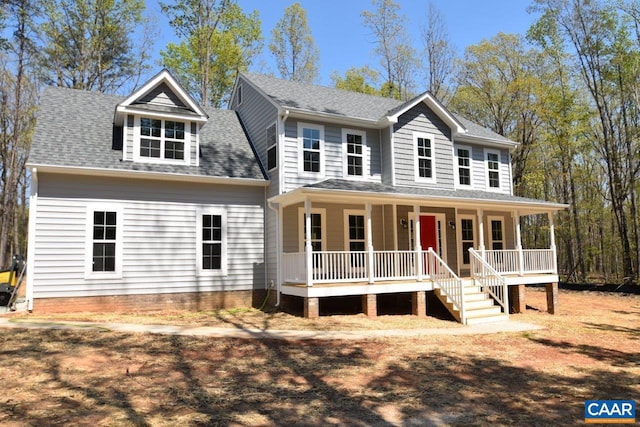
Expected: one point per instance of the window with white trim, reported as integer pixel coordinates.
(424, 157)
(463, 154)
(104, 241)
(212, 241)
(354, 143)
(497, 234)
(160, 140)
(467, 238)
(272, 147)
(493, 168)
(318, 229)
(356, 231)
(311, 143)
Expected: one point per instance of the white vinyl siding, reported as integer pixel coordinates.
(159, 240)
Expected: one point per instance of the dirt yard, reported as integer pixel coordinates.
(591, 350)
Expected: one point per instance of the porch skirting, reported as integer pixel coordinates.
(151, 302)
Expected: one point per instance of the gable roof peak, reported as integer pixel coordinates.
(167, 87)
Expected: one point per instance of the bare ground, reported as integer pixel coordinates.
(591, 350)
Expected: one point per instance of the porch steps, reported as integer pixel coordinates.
(479, 307)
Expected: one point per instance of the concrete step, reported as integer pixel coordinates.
(487, 319)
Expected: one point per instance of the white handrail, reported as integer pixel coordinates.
(445, 279)
(490, 279)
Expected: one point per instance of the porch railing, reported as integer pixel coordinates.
(390, 265)
(533, 261)
(445, 279)
(344, 266)
(490, 280)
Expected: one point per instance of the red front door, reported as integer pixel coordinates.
(428, 233)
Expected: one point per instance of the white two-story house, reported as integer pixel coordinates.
(152, 201)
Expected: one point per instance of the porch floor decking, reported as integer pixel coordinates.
(334, 289)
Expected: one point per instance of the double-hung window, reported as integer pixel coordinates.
(162, 140)
(212, 241)
(424, 157)
(497, 234)
(467, 238)
(272, 147)
(104, 242)
(354, 143)
(493, 168)
(318, 229)
(311, 145)
(463, 155)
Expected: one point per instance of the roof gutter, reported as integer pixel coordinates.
(159, 176)
(350, 195)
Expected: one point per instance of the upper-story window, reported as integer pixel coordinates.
(424, 157)
(463, 155)
(272, 147)
(354, 143)
(162, 140)
(493, 168)
(311, 143)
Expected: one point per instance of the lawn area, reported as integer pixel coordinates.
(591, 350)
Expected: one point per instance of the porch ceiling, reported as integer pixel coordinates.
(339, 190)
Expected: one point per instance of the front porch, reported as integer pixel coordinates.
(495, 274)
(468, 252)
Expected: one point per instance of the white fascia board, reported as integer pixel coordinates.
(456, 127)
(490, 142)
(332, 118)
(160, 114)
(159, 176)
(348, 196)
(166, 76)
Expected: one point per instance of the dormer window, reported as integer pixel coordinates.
(160, 123)
(161, 140)
(161, 136)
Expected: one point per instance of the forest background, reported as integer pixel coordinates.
(567, 90)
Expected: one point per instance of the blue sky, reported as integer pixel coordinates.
(343, 41)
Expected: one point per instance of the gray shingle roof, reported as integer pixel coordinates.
(327, 100)
(321, 99)
(74, 128)
(373, 187)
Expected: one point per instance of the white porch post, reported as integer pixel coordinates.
(369, 244)
(308, 249)
(516, 219)
(552, 232)
(481, 232)
(416, 237)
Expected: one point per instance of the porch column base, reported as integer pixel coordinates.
(370, 305)
(552, 298)
(419, 304)
(517, 299)
(311, 308)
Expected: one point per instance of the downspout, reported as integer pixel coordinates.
(278, 263)
(31, 248)
(281, 144)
